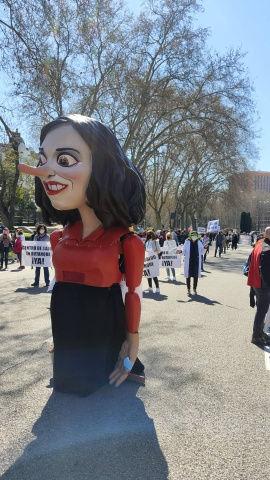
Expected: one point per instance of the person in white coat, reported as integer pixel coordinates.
(170, 244)
(193, 250)
(152, 245)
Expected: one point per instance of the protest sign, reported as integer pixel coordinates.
(151, 265)
(245, 240)
(169, 258)
(201, 230)
(36, 254)
(213, 226)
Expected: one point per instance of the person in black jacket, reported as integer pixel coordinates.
(5, 243)
(259, 279)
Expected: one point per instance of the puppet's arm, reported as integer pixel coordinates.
(133, 250)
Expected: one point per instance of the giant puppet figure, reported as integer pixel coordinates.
(85, 182)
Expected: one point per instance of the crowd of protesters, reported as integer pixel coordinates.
(11, 246)
(193, 245)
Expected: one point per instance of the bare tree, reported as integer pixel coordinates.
(9, 176)
(150, 78)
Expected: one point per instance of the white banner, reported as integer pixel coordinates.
(151, 265)
(36, 254)
(213, 226)
(201, 230)
(169, 258)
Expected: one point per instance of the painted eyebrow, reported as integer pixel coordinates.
(66, 148)
(61, 149)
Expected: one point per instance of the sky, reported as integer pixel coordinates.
(245, 24)
(237, 23)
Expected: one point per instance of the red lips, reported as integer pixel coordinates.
(53, 188)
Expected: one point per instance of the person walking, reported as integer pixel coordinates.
(170, 244)
(5, 243)
(235, 239)
(224, 243)
(174, 237)
(219, 238)
(204, 241)
(207, 242)
(161, 237)
(18, 246)
(13, 240)
(259, 280)
(192, 250)
(152, 245)
(41, 236)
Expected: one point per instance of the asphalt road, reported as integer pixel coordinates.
(203, 413)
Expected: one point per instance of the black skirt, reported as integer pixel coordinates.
(88, 325)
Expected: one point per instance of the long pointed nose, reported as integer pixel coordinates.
(44, 171)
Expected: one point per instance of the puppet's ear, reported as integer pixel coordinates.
(43, 171)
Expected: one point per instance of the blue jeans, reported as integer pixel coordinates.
(168, 272)
(46, 275)
(4, 255)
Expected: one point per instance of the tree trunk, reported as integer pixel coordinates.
(158, 220)
(7, 220)
(7, 208)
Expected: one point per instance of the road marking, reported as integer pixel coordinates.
(267, 357)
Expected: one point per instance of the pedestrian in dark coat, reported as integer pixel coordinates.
(259, 279)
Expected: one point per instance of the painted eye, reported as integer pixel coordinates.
(65, 160)
(42, 159)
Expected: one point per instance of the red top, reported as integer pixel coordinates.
(94, 261)
(90, 261)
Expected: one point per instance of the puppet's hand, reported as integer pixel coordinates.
(129, 349)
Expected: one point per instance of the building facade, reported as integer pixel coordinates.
(260, 181)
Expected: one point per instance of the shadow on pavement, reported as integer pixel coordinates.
(175, 282)
(155, 296)
(32, 290)
(200, 299)
(107, 435)
(14, 270)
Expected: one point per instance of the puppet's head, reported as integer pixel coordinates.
(81, 162)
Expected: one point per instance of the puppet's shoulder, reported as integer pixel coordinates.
(55, 237)
(133, 244)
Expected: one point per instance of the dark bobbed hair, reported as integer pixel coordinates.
(116, 188)
(41, 225)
